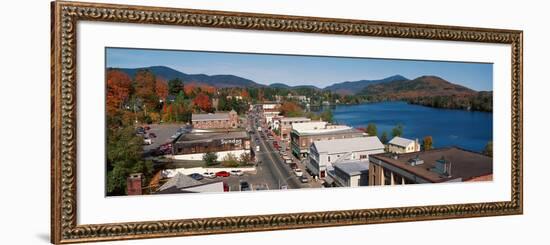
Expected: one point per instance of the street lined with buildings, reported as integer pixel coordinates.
(262, 150)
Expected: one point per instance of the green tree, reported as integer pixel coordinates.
(427, 143)
(327, 116)
(124, 151)
(384, 138)
(397, 131)
(488, 149)
(223, 104)
(371, 129)
(210, 158)
(175, 86)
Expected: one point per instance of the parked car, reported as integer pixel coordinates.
(293, 166)
(244, 186)
(237, 172)
(223, 174)
(196, 176)
(298, 172)
(152, 135)
(140, 130)
(304, 179)
(147, 141)
(210, 175)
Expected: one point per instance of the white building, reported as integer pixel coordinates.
(269, 114)
(402, 145)
(284, 124)
(323, 154)
(303, 135)
(350, 174)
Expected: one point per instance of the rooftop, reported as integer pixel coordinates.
(211, 116)
(295, 119)
(464, 164)
(403, 142)
(209, 135)
(348, 145)
(352, 168)
(179, 181)
(319, 128)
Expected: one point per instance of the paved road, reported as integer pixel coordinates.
(272, 161)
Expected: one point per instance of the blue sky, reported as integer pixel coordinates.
(320, 71)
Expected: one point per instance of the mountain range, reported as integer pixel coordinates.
(395, 86)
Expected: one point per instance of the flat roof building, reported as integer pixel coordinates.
(303, 135)
(325, 153)
(450, 164)
(284, 124)
(350, 174)
(193, 145)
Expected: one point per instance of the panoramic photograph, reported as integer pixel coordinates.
(181, 121)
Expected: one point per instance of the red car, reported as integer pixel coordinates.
(223, 174)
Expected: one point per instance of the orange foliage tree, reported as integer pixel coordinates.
(146, 88)
(202, 101)
(291, 109)
(244, 94)
(161, 87)
(118, 90)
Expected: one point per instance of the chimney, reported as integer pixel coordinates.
(133, 184)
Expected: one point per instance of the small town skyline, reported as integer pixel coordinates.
(300, 70)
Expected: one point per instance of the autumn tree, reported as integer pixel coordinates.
(161, 88)
(244, 94)
(230, 160)
(371, 129)
(428, 143)
(291, 109)
(118, 90)
(245, 158)
(202, 102)
(145, 84)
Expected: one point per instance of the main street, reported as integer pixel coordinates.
(272, 164)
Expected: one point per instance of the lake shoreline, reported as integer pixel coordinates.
(411, 103)
(470, 130)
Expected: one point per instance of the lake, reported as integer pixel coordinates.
(466, 129)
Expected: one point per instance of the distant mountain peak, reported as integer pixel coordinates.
(352, 87)
(219, 81)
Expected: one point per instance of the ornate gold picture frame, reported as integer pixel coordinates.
(65, 17)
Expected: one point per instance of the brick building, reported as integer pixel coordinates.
(215, 120)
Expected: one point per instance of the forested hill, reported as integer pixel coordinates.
(218, 81)
(430, 91)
